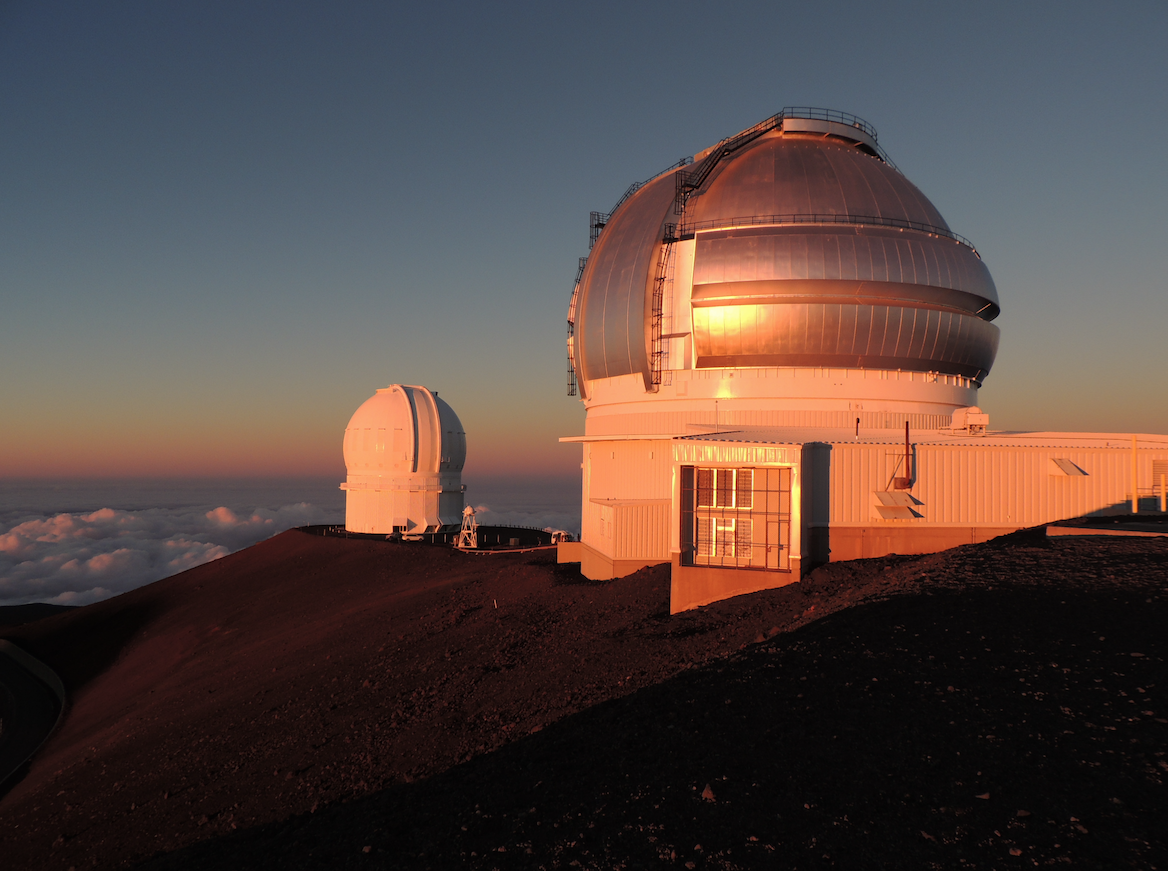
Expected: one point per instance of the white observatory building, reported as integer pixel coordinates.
(779, 345)
(404, 453)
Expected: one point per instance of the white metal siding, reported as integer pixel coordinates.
(641, 531)
(986, 485)
(628, 470)
(621, 471)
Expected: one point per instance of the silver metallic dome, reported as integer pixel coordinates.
(810, 249)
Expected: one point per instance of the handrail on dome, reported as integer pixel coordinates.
(688, 182)
(814, 113)
(598, 220)
(677, 232)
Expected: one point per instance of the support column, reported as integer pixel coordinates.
(1135, 478)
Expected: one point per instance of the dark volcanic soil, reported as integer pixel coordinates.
(331, 703)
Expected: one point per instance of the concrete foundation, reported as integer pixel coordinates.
(852, 542)
(569, 552)
(597, 567)
(694, 586)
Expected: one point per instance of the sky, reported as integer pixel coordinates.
(223, 225)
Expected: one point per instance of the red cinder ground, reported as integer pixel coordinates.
(328, 703)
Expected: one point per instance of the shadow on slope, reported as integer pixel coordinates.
(78, 644)
(81, 643)
(974, 728)
(17, 615)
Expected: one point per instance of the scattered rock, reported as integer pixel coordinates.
(556, 656)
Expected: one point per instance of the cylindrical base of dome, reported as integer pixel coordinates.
(690, 401)
(375, 504)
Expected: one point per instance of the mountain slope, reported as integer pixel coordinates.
(345, 693)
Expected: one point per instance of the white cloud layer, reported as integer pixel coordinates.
(75, 559)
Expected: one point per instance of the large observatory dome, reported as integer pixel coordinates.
(404, 451)
(791, 248)
(779, 345)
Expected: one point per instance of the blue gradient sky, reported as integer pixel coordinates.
(223, 225)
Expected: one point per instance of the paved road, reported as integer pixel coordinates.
(28, 713)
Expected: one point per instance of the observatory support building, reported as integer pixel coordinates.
(779, 345)
(404, 453)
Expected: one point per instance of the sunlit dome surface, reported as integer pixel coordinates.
(404, 451)
(404, 430)
(809, 250)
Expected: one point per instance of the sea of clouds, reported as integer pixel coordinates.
(59, 542)
(78, 558)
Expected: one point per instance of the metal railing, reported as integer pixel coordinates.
(815, 113)
(677, 232)
(689, 182)
(598, 220)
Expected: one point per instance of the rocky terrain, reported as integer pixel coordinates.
(316, 702)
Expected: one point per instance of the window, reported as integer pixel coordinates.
(724, 538)
(743, 541)
(743, 488)
(706, 488)
(736, 518)
(725, 488)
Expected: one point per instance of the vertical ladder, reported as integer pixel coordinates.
(572, 387)
(657, 354)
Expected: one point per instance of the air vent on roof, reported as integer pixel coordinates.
(896, 505)
(1063, 466)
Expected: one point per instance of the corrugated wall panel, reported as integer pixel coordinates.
(642, 531)
(988, 485)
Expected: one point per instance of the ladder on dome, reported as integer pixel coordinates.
(660, 279)
(597, 221)
(572, 387)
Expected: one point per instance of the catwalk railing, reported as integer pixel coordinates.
(598, 220)
(677, 232)
(689, 182)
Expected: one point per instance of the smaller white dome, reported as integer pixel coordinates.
(406, 430)
(404, 452)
